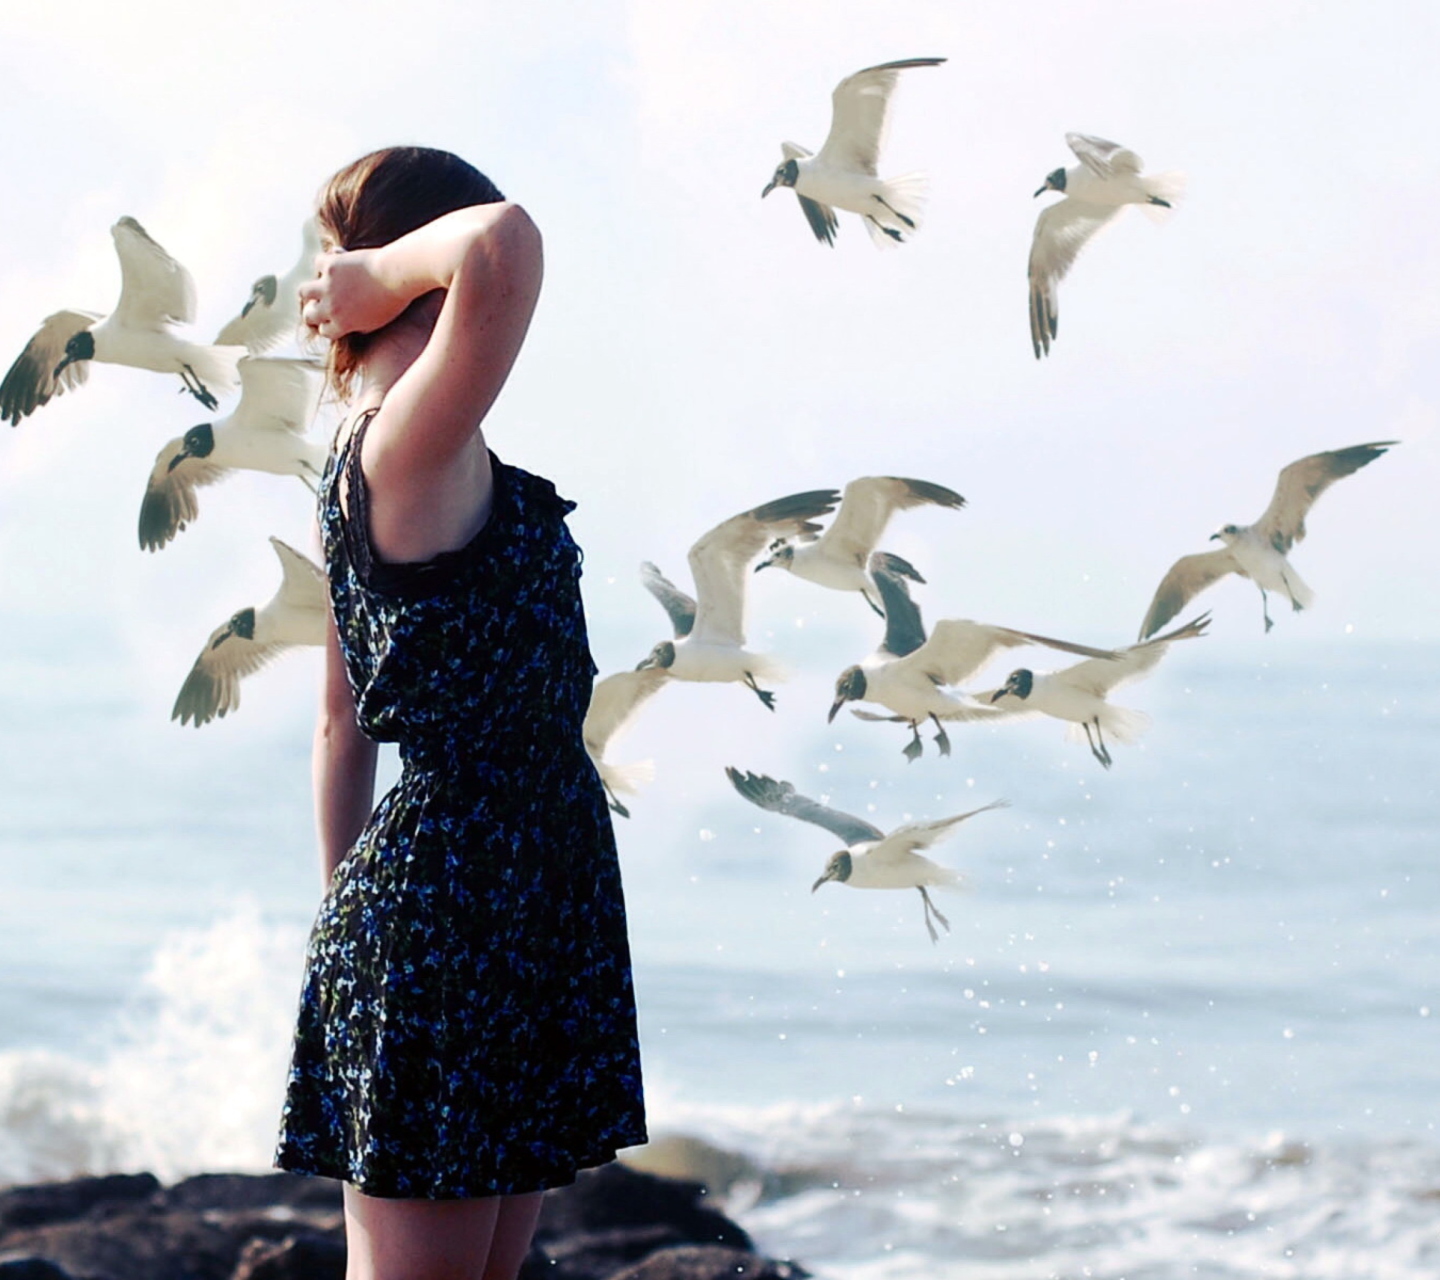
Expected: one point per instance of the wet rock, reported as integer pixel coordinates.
(615, 1196)
(63, 1201)
(306, 1257)
(709, 1262)
(238, 1191)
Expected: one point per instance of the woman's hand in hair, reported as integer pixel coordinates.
(351, 293)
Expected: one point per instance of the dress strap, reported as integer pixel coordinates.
(355, 498)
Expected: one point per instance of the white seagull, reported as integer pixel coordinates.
(709, 639)
(156, 293)
(1107, 178)
(615, 701)
(1258, 551)
(909, 673)
(872, 859)
(271, 314)
(1078, 694)
(839, 558)
(295, 615)
(843, 175)
(266, 432)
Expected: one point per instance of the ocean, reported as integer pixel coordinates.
(1183, 1024)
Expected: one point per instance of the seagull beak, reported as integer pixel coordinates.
(769, 187)
(62, 366)
(1042, 191)
(829, 875)
(1215, 537)
(177, 460)
(998, 694)
(839, 702)
(764, 564)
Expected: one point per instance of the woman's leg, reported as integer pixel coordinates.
(417, 1239)
(514, 1225)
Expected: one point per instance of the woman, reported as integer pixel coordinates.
(466, 1035)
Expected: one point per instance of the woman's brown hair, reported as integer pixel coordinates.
(381, 197)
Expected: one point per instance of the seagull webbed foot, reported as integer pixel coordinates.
(914, 749)
(764, 695)
(942, 739)
(197, 388)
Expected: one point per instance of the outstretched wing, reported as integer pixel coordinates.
(302, 582)
(31, 380)
(904, 627)
(170, 502)
(958, 648)
(719, 559)
(1302, 482)
(781, 797)
(213, 686)
(1061, 231)
(921, 835)
(1188, 577)
(675, 602)
(155, 290)
(866, 509)
(1102, 157)
(271, 314)
(860, 109)
(615, 701)
(1101, 677)
(278, 394)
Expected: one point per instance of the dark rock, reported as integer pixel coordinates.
(63, 1201)
(31, 1269)
(614, 1196)
(252, 1191)
(593, 1255)
(304, 1257)
(709, 1262)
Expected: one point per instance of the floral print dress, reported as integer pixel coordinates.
(467, 1022)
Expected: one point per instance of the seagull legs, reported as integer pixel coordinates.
(1100, 752)
(914, 749)
(614, 801)
(932, 910)
(909, 222)
(942, 739)
(767, 698)
(197, 388)
(1265, 610)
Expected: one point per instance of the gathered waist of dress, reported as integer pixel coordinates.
(489, 754)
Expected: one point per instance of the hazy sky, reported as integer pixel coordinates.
(696, 352)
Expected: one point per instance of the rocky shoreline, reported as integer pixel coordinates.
(615, 1223)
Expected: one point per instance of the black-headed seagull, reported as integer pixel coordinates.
(840, 557)
(871, 859)
(615, 701)
(1259, 551)
(156, 294)
(1107, 178)
(1078, 694)
(271, 313)
(709, 643)
(295, 615)
(266, 432)
(844, 174)
(909, 673)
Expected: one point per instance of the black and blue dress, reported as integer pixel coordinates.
(467, 1022)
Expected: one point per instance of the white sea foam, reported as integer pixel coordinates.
(192, 1075)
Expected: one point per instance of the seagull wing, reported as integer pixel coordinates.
(781, 797)
(1061, 231)
(1302, 482)
(1100, 676)
(921, 835)
(155, 290)
(675, 602)
(271, 314)
(904, 627)
(170, 504)
(278, 394)
(719, 559)
(860, 108)
(1188, 576)
(821, 218)
(302, 584)
(958, 648)
(1102, 157)
(615, 701)
(868, 504)
(31, 380)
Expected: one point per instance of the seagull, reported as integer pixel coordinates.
(1258, 551)
(908, 672)
(709, 639)
(271, 314)
(872, 859)
(266, 432)
(1107, 178)
(1078, 693)
(156, 293)
(839, 557)
(295, 615)
(843, 175)
(614, 703)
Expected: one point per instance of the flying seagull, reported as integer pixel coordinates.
(156, 293)
(839, 557)
(615, 701)
(709, 641)
(1107, 178)
(909, 672)
(271, 313)
(1078, 694)
(266, 432)
(844, 173)
(1258, 551)
(871, 859)
(295, 615)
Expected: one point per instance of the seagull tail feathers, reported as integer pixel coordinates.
(1121, 724)
(899, 209)
(627, 779)
(1169, 187)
